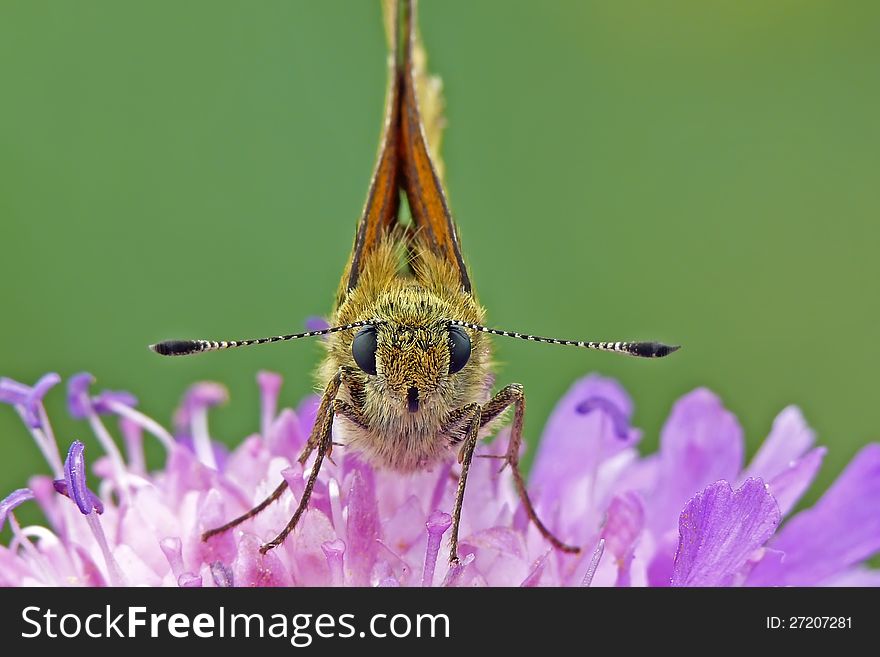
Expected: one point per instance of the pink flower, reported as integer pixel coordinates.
(689, 515)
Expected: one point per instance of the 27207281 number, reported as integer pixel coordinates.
(809, 623)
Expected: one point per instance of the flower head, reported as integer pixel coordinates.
(689, 515)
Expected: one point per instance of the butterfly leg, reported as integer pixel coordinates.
(322, 440)
(316, 439)
(470, 417)
(508, 396)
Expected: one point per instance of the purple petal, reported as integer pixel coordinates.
(172, 548)
(788, 485)
(315, 323)
(457, 570)
(221, 574)
(14, 499)
(45, 495)
(501, 539)
(198, 397)
(269, 383)
(789, 439)
(701, 443)
(334, 551)
(661, 563)
(307, 412)
(35, 398)
(619, 420)
(75, 481)
(841, 530)
(858, 576)
(251, 568)
(363, 528)
(719, 529)
(585, 428)
(132, 434)
(623, 526)
(286, 435)
(218, 449)
(533, 579)
(78, 395)
(390, 565)
(189, 580)
(102, 401)
(437, 524)
(625, 519)
(13, 392)
(92, 574)
(29, 398)
(270, 386)
(60, 486)
(211, 512)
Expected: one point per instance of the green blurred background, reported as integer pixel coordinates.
(696, 172)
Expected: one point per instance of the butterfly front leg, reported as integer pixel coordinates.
(320, 439)
(508, 396)
(470, 419)
(466, 418)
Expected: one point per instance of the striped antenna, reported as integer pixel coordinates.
(638, 349)
(187, 347)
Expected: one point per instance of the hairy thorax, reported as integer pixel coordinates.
(412, 313)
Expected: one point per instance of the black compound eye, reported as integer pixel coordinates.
(363, 349)
(459, 348)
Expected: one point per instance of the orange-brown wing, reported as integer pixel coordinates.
(380, 210)
(405, 162)
(424, 191)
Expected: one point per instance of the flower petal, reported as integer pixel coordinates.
(363, 527)
(308, 558)
(533, 579)
(75, 486)
(221, 574)
(589, 424)
(78, 402)
(13, 392)
(286, 435)
(437, 524)
(315, 323)
(719, 529)
(29, 398)
(14, 499)
(102, 401)
(270, 387)
(623, 526)
(625, 518)
(35, 398)
(701, 443)
(198, 397)
(841, 530)
(457, 570)
(252, 568)
(790, 437)
(334, 551)
(789, 484)
(189, 580)
(307, 412)
(857, 576)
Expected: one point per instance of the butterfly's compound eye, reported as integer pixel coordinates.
(459, 348)
(363, 349)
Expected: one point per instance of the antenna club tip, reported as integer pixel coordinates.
(661, 350)
(654, 349)
(173, 347)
